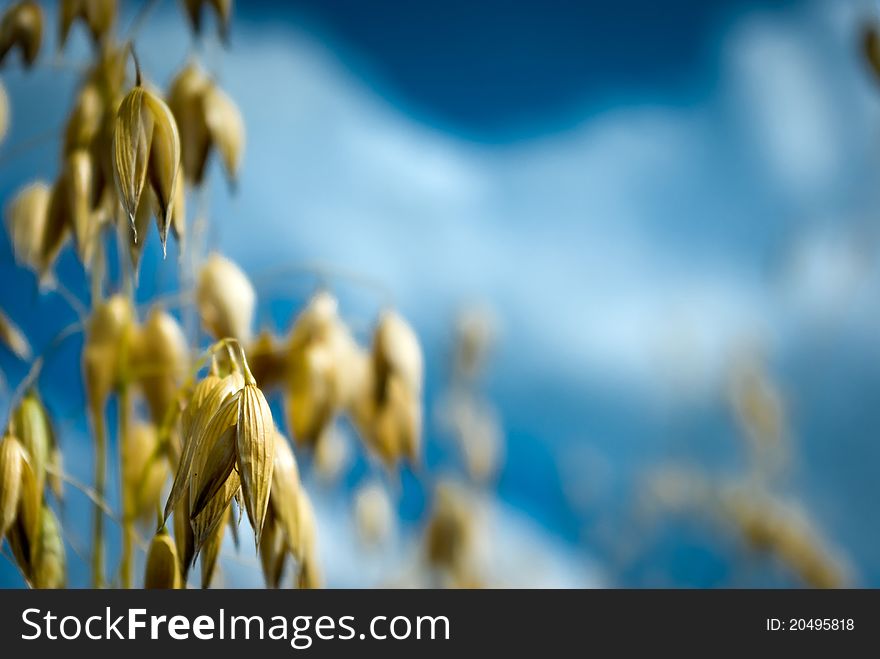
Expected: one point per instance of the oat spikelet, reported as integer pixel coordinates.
(107, 335)
(26, 218)
(160, 356)
(206, 522)
(226, 128)
(226, 299)
(219, 392)
(267, 358)
(318, 369)
(309, 573)
(211, 551)
(255, 446)
(50, 565)
(285, 490)
(11, 467)
(273, 552)
(183, 536)
(143, 471)
(33, 429)
(222, 8)
(13, 338)
(98, 15)
(163, 567)
(146, 147)
(22, 27)
(214, 455)
(80, 185)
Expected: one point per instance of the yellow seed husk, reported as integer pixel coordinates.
(14, 339)
(312, 398)
(309, 575)
(29, 505)
(214, 455)
(183, 536)
(22, 27)
(306, 546)
(178, 211)
(450, 531)
(163, 567)
(255, 447)
(285, 491)
(50, 569)
(186, 100)
(160, 357)
(59, 222)
(226, 127)
(146, 146)
(214, 397)
(197, 398)
(273, 552)
(396, 349)
(267, 358)
(80, 188)
(11, 467)
(144, 471)
(223, 9)
(98, 15)
(137, 238)
(373, 514)
(226, 300)
(204, 524)
(85, 119)
(56, 469)
(132, 135)
(26, 217)
(164, 165)
(321, 369)
(211, 551)
(107, 336)
(34, 431)
(387, 409)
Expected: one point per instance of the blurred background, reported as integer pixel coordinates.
(661, 219)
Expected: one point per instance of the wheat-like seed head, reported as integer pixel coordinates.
(11, 466)
(163, 567)
(13, 338)
(49, 563)
(98, 15)
(222, 8)
(146, 147)
(107, 336)
(220, 392)
(22, 27)
(31, 425)
(144, 471)
(211, 550)
(226, 299)
(26, 217)
(159, 359)
(80, 183)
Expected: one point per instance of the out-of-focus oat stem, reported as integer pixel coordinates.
(127, 567)
(100, 487)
